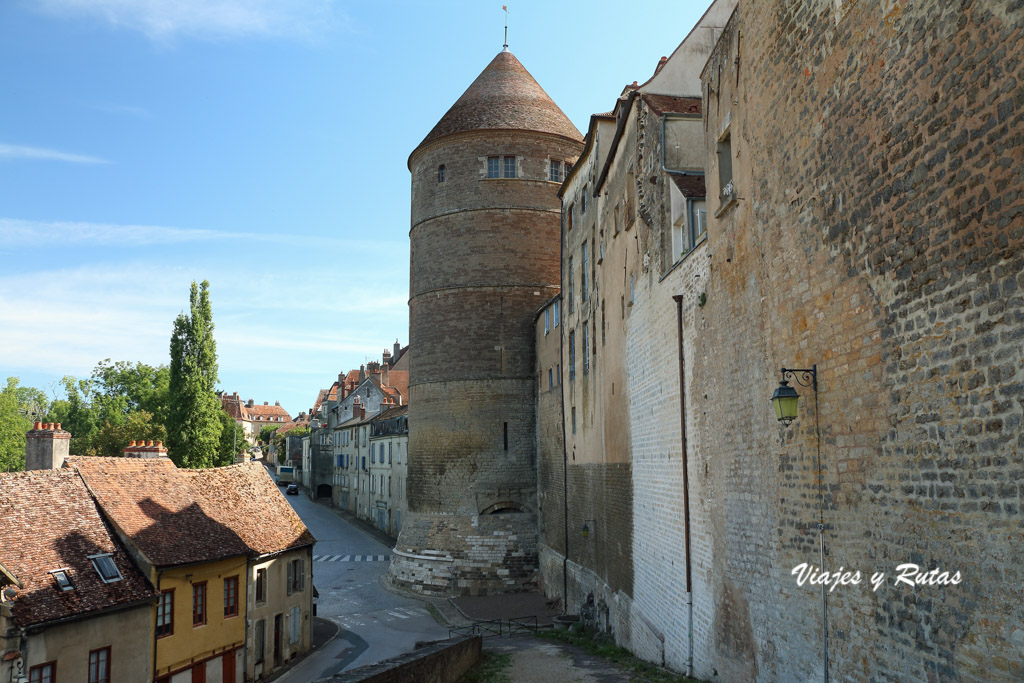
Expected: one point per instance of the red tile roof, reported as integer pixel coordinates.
(662, 104)
(399, 379)
(504, 96)
(51, 522)
(246, 500)
(690, 185)
(177, 516)
(268, 411)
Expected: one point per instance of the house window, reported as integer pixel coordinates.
(493, 167)
(106, 568)
(556, 171)
(231, 597)
(510, 167)
(441, 173)
(698, 220)
(586, 348)
(583, 199)
(556, 312)
(63, 579)
(571, 293)
(583, 274)
(261, 585)
(726, 190)
(296, 626)
(373, 453)
(43, 673)
(199, 604)
(296, 581)
(165, 614)
(568, 168)
(558, 372)
(261, 640)
(547, 320)
(572, 355)
(551, 379)
(389, 452)
(574, 419)
(632, 290)
(99, 665)
(569, 217)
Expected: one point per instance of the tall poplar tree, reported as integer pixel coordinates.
(193, 418)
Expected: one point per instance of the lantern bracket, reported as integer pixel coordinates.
(805, 377)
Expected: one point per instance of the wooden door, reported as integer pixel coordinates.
(228, 667)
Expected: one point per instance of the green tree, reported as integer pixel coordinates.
(232, 439)
(267, 433)
(128, 386)
(113, 435)
(14, 423)
(193, 416)
(77, 413)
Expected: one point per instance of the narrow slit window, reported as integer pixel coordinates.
(506, 436)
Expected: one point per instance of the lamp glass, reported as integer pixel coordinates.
(785, 401)
(586, 530)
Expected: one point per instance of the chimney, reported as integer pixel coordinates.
(277, 403)
(362, 373)
(384, 374)
(46, 446)
(398, 350)
(145, 449)
(250, 403)
(266, 403)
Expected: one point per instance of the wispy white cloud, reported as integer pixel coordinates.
(63, 320)
(43, 154)
(14, 232)
(164, 20)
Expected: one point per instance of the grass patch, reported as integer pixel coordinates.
(601, 646)
(492, 668)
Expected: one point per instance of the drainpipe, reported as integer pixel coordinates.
(686, 486)
(565, 454)
(159, 578)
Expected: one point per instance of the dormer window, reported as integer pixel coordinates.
(106, 568)
(63, 579)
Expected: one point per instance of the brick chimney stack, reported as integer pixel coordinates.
(362, 373)
(46, 446)
(145, 449)
(398, 350)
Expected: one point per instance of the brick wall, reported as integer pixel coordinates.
(876, 153)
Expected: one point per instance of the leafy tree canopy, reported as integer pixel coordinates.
(193, 418)
(16, 404)
(112, 437)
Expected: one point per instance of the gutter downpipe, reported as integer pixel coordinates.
(686, 486)
(159, 578)
(565, 452)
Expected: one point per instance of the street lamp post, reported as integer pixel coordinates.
(785, 400)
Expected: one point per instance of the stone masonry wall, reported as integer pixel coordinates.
(877, 232)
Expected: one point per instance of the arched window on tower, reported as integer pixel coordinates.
(441, 173)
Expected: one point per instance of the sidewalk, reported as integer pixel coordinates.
(324, 632)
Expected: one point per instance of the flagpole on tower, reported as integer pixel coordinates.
(505, 7)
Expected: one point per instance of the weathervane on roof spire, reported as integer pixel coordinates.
(505, 7)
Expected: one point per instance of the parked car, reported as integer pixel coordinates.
(292, 490)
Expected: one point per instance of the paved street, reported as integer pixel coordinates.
(374, 623)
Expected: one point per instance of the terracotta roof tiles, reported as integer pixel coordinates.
(504, 96)
(51, 522)
(178, 516)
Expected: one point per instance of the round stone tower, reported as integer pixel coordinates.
(485, 257)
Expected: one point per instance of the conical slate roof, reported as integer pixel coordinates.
(504, 95)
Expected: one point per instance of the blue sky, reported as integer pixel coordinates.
(258, 144)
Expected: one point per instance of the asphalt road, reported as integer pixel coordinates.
(374, 624)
